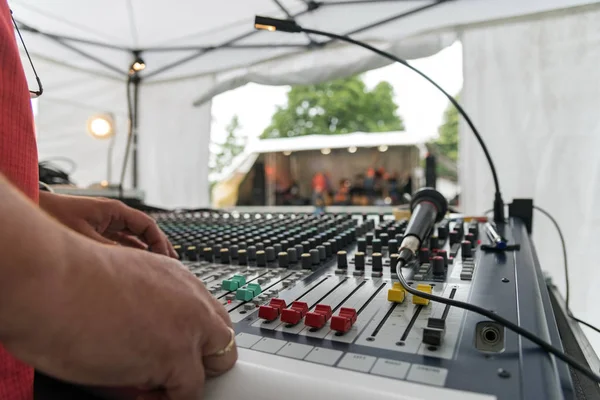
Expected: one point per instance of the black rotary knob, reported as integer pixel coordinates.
(207, 253)
(292, 255)
(283, 259)
(242, 257)
(261, 258)
(393, 246)
(224, 256)
(342, 259)
(251, 253)
(359, 261)
(306, 262)
(438, 267)
(377, 262)
(377, 246)
(315, 257)
(270, 253)
(424, 255)
(362, 245)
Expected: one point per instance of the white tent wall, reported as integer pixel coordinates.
(70, 98)
(173, 143)
(532, 87)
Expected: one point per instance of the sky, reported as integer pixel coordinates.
(419, 103)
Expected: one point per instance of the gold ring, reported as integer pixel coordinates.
(229, 346)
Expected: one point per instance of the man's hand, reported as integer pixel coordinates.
(104, 316)
(107, 221)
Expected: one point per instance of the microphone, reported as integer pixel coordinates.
(428, 206)
(274, 24)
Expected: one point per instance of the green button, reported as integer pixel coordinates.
(255, 287)
(230, 285)
(244, 294)
(239, 279)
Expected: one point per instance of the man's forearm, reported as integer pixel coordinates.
(35, 264)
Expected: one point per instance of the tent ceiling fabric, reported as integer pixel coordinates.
(214, 36)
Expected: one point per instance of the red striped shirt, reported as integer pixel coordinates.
(18, 163)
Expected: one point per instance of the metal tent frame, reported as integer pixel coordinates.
(135, 80)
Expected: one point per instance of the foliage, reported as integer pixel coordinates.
(447, 140)
(341, 106)
(228, 150)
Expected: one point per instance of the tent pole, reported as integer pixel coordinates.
(134, 156)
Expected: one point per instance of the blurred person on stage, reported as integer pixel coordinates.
(81, 298)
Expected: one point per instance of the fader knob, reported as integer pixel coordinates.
(292, 255)
(359, 261)
(306, 262)
(260, 246)
(377, 262)
(362, 245)
(342, 260)
(224, 256)
(261, 258)
(242, 257)
(369, 237)
(217, 250)
(283, 259)
(466, 249)
(270, 253)
(438, 266)
(191, 253)
(393, 246)
(377, 246)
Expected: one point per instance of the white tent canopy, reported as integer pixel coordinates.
(195, 50)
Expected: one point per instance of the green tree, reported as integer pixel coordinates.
(341, 106)
(233, 146)
(447, 141)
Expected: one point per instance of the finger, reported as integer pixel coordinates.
(142, 226)
(92, 234)
(126, 240)
(216, 363)
(221, 311)
(172, 252)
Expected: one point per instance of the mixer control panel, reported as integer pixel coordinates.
(322, 289)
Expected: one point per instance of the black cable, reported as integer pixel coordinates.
(566, 268)
(498, 204)
(501, 320)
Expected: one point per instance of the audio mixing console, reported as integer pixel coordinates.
(318, 313)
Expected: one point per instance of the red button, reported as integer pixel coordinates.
(295, 313)
(272, 311)
(344, 321)
(318, 318)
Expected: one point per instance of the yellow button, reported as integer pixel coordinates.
(396, 293)
(422, 287)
